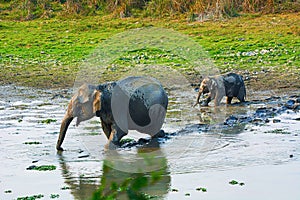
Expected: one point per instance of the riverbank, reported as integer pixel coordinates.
(49, 53)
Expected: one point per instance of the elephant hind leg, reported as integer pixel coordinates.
(242, 94)
(159, 134)
(241, 98)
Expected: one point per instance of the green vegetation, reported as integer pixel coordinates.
(42, 168)
(34, 142)
(49, 48)
(234, 182)
(65, 188)
(33, 197)
(130, 186)
(48, 121)
(31, 9)
(201, 189)
(278, 131)
(54, 196)
(126, 140)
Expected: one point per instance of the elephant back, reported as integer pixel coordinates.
(234, 84)
(142, 93)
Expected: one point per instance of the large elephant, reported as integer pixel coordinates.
(134, 103)
(229, 85)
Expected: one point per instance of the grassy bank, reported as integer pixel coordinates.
(48, 53)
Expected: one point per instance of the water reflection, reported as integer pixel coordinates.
(136, 173)
(223, 119)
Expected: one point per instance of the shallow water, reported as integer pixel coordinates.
(192, 156)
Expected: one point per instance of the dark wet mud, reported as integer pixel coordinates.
(254, 143)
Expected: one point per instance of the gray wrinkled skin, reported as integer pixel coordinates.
(229, 85)
(134, 103)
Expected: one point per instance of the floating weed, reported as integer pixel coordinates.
(53, 196)
(187, 194)
(94, 133)
(20, 120)
(65, 188)
(201, 189)
(7, 191)
(34, 142)
(174, 190)
(278, 131)
(48, 121)
(126, 140)
(39, 196)
(234, 182)
(42, 168)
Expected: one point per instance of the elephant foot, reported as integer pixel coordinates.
(159, 134)
(59, 149)
(111, 146)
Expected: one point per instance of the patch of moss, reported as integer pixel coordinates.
(278, 131)
(126, 140)
(48, 121)
(33, 197)
(201, 189)
(65, 188)
(233, 182)
(34, 142)
(54, 196)
(42, 168)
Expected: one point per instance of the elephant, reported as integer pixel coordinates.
(229, 85)
(134, 103)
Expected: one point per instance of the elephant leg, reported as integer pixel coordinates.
(106, 129)
(218, 99)
(228, 100)
(206, 102)
(241, 98)
(116, 135)
(242, 94)
(159, 134)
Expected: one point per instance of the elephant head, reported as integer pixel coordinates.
(204, 88)
(83, 105)
(214, 86)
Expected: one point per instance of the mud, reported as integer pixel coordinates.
(256, 143)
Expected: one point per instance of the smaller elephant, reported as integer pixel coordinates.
(134, 103)
(229, 85)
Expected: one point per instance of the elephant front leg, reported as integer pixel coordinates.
(206, 101)
(115, 137)
(106, 128)
(228, 100)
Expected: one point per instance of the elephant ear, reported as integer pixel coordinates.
(211, 84)
(85, 103)
(84, 93)
(96, 101)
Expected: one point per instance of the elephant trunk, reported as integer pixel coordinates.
(198, 98)
(63, 130)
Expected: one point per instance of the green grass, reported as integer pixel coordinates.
(48, 53)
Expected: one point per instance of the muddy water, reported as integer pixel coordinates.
(199, 150)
